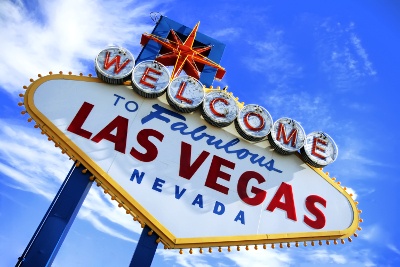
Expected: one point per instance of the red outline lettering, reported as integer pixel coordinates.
(121, 124)
(320, 219)
(292, 135)
(284, 190)
(215, 172)
(316, 147)
(187, 170)
(180, 92)
(79, 119)
(260, 194)
(146, 76)
(116, 61)
(212, 103)
(246, 121)
(151, 149)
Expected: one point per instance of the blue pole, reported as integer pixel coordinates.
(48, 237)
(145, 249)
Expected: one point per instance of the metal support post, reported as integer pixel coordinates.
(48, 237)
(145, 249)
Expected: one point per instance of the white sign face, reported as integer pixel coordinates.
(194, 184)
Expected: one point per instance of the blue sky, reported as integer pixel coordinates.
(331, 65)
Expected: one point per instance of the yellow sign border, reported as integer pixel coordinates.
(141, 215)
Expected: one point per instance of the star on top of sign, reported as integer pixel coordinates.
(182, 55)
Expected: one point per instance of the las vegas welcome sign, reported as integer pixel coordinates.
(189, 161)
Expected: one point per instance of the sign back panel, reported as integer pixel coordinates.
(194, 184)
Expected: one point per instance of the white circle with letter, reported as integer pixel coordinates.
(319, 149)
(253, 122)
(287, 136)
(185, 93)
(114, 65)
(219, 108)
(150, 79)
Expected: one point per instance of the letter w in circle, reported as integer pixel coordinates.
(116, 60)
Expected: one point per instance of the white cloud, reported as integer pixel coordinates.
(25, 155)
(372, 233)
(311, 111)
(340, 255)
(231, 32)
(25, 182)
(369, 263)
(272, 57)
(346, 255)
(367, 64)
(358, 106)
(187, 260)
(60, 35)
(33, 164)
(354, 152)
(394, 249)
(86, 214)
(259, 258)
(354, 156)
(100, 205)
(325, 256)
(352, 192)
(67, 34)
(343, 57)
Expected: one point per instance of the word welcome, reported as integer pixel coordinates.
(219, 108)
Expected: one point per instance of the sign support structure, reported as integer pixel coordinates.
(52, 230)
(145, 249)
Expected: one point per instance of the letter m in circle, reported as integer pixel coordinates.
(282, 134)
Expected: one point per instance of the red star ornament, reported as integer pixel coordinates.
(182, 55)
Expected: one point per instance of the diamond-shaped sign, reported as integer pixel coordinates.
(194, 184)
